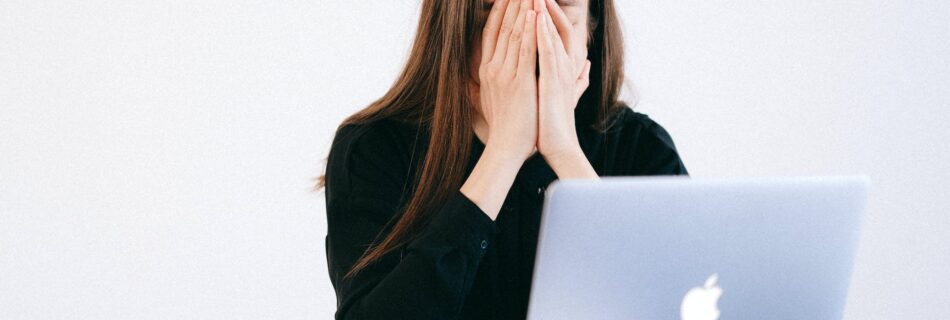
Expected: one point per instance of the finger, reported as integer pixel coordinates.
(529, 45)
(561, 21)
(548, 59)
(514, 41)
(583, 81)
(556, 44)
(566, 31)
(580, 57)
(507, 26)
(492, 26)
(564, 63)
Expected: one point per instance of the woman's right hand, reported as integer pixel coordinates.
(507, 76)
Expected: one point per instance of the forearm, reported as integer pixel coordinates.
(432, 276)
(492, 177)
(438, 267)
(433, 280)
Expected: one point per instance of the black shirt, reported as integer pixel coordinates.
(463, 265)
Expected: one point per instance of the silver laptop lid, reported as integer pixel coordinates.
(675, 246)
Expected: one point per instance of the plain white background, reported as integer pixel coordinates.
(156, 157)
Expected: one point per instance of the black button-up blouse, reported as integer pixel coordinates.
(463, 265)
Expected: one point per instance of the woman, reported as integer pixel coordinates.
(434, 191)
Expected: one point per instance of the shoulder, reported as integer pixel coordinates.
(370, 154)
(384, 133)
(644, 129)
(644, 145)
(384, 139)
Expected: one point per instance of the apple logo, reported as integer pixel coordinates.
(700, 302)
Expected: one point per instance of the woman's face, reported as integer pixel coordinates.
(577, 13)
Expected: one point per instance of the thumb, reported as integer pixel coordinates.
(583, 81)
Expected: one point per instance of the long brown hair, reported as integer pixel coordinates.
(432, 92)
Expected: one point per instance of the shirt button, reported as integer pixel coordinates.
(540, 190)
(484, 244)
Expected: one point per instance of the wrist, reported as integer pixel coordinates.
(507, 150)
(503, 154)
(488, 184)
(570, 153)
(572, 165)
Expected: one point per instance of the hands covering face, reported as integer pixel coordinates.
(525, 106)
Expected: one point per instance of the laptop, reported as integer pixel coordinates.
(679, 247)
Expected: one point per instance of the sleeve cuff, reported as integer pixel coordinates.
(460, 222)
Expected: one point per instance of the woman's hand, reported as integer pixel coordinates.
(509, 102)
(508, 88)
(563, 79)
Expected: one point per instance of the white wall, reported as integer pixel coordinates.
(156, 157)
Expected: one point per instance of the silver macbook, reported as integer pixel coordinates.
(676, 247)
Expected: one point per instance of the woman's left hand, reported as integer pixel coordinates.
(564, 76)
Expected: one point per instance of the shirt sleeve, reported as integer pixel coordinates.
(428, 278)
(655, 153)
